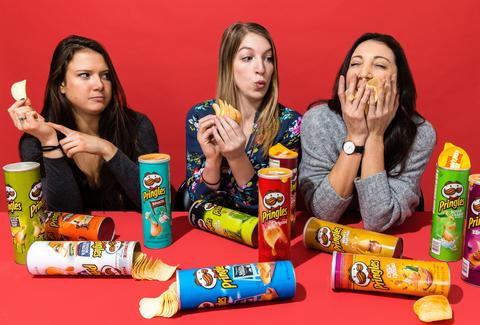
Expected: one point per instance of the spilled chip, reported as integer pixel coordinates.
(165, 305)
(19, 90)
(432, 308)
(225, 109)
(150, 268)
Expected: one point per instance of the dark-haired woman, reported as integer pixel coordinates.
(86, 138)
(363, 153)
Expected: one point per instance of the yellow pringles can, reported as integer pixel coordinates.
(329, 237)
(389, 275)
(25, 206)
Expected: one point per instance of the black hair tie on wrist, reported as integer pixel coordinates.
(51, 148)
(211, 184)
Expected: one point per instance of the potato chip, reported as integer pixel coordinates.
(151, 268)
(374, 83)
(225, 109)
(166, 305)
(19, 90)
(432, 308)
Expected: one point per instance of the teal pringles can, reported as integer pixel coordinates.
(449, 208)
(155, 200)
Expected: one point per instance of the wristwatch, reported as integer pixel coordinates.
(350, 148)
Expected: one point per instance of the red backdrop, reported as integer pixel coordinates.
(166, 55)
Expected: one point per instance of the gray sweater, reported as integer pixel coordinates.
(383, 200)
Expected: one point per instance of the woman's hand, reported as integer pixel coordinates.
(229, 138)
(76, 142)
(353, 111)
(382, 113)
(206, 139)
(27, 120)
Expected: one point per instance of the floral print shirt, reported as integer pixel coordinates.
(229, 194)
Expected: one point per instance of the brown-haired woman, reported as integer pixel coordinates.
(223, 157)
(86, 138)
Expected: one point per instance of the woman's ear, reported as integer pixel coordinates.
(62, 87)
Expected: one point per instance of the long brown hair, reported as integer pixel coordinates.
(268, 120)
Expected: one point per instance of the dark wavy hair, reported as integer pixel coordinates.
(117, 122)
(401, 132)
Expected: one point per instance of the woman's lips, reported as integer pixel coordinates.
(260, 84)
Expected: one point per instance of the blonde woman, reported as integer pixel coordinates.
(223, 156)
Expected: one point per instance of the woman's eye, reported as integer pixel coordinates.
(247, 58)
(106, 76)
(84, 75)
(269, 59)
(354, 64)
(381, 66)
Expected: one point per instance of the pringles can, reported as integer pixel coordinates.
(389, 275)
(81, 257)
(25, 206)
(471, 249)
(71, 226)
(235, 284)
(450, 202)
(281, 156)
(155, 199)
(274, 186)
(225, 222)
(329, 237)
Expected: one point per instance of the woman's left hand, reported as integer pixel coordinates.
(380, 114)
(76, 142)
(229, 137)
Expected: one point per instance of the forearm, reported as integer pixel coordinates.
(211, 173)
(373, 158)
(344, 172)
(242, 169)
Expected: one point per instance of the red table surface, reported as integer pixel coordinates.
(111, 300)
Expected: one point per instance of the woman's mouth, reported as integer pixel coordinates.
(260, 84)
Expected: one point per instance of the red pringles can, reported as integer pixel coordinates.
(281, 156)
(274, 210)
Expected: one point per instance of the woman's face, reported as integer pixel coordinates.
(253, 67)
(371, 59)
(87, 83)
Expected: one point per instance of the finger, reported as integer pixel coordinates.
(341, 90)
(218, 138)
(381, 94)
(61, 128)
(372, 106)
(394, 88)
(221, 129)
(364, 100)
(388, 95)
(12, 111)
(205, 125)
(360, 94)
(231, 127)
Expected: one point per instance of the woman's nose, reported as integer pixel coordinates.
(260, 67)
(97, 82)
(366, 72)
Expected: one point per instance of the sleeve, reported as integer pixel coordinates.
(59, 187)
(127, 171)
(388, 200)
(319, 154)
(196, 160)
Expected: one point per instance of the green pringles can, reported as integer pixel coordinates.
(155, 200)
(25, 206)
(449, 204)
(225, 222)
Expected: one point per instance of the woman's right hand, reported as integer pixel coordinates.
(353, 111)
(205, 137)
(27, 120)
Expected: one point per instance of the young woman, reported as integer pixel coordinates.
(365, 153)
(223, 157)
(86, 138)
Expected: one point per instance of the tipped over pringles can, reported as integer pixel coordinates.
(155, 199)
(225, 222)
(450, 203)
(329, 237)
(25, 206)
(71, 226)
(106, 258)
(389, 275)
(471, 249)
(274, 186)
(281, 156)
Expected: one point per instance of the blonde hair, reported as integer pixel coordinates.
(268, 120)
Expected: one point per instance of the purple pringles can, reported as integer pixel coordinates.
(471, 247)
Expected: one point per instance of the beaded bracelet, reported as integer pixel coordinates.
(51, 148)
(211, 184)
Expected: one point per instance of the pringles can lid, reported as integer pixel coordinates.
(153, 158)
(275, 173)
(21, 166)
(474, 179)
(280, 151)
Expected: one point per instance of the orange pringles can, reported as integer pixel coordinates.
(274, 223)
(281, 156)
(70, 226)
(389, 275)
(329, 237)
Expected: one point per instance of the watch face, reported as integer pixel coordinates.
(349, 147)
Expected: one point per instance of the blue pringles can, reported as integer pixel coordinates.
(155, 199)
(235, 284)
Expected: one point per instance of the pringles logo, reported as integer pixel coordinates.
(36, 195)
(474, 220)
(359, 274)
(152, 182)
(11, 196)
(205, 278)
(273, 201)
(452, 191)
